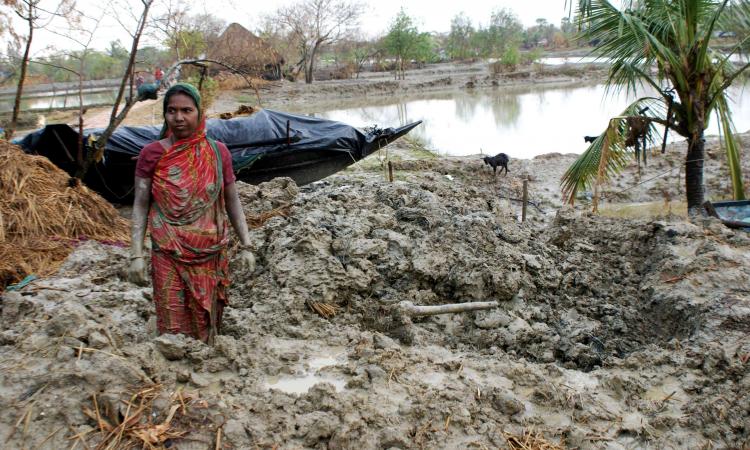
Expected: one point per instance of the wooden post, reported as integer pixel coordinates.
(525, 199)
(390, 171)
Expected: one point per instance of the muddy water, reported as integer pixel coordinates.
(523, 122)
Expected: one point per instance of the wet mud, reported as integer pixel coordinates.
(610, 333)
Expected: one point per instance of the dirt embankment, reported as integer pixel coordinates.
(609, 332)
(295, 96)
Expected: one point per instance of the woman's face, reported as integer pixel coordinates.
(181, 115)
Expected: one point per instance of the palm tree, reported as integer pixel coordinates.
(662, 45)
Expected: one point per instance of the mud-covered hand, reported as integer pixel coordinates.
(247, 261)
(137, 271)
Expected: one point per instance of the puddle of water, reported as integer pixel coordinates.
(310, 377)
(522, 122)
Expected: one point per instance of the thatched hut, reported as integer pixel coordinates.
(240, 48)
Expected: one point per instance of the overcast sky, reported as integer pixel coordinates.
(430, 15)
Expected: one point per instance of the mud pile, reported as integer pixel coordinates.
(609, 332)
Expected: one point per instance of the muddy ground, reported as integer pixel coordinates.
(610, 332)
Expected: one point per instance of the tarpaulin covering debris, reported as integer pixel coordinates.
(265, 145)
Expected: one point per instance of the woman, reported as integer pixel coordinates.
(184, 189)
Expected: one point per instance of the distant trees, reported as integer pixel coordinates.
(502, 34)
(405, 43)
(311, 25)
(461, 39)
(187, 35)
(500, 39)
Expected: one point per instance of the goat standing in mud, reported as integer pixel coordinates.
(499, 160)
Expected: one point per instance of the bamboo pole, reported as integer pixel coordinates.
(412, 310)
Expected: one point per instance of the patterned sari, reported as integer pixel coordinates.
(189, 234)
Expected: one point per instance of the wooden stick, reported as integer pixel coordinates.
(412, 310)
(525, 199)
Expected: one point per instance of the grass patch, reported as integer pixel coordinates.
(418, 148)
(644, 210)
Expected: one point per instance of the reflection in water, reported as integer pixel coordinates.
(523, 122)
(506, 107)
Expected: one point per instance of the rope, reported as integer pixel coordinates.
(607, 197)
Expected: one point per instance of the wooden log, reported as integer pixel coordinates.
(412, 310)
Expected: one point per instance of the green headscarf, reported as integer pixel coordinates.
(181, 88)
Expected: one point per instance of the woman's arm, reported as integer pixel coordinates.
(236, 213)
(239, 223)
(139, 215)
(137, 271)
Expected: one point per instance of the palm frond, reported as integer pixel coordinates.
(607, 155)
(702, 59)
(733, 149)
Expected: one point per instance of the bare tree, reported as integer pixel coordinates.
(118, 115)
(80, 31)
(36, 15)
(186, 35)
(313, 24)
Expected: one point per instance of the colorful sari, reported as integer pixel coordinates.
(189, 234)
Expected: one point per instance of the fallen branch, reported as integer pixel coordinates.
(412, 310)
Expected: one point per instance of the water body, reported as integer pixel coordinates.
(41, 102)
(523, 122)
(558, 61)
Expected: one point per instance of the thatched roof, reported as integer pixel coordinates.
(240, 48)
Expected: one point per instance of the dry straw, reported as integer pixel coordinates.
(43, 215)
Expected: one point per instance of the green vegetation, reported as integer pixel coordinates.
(691, 83)
(406, 43)
(98, 65)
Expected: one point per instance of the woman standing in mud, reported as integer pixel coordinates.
(184, 190)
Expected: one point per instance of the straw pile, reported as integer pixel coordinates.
(529, 441)
(145, 422)
(43, 215)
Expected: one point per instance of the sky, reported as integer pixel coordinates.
(429, 15)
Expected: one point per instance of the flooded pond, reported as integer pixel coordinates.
(523, 122)
(66, 99)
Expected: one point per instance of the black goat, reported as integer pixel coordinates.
(590, 139)
(499, 160)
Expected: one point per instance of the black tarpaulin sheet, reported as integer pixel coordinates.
(264, 131)
(264, 145)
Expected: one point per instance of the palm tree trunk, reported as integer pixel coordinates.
(694, 173)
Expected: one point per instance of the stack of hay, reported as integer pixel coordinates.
(43, 215)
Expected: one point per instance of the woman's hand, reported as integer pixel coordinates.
(247, 261)
(137, 271)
